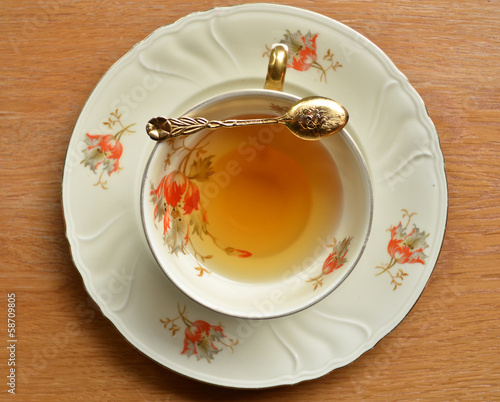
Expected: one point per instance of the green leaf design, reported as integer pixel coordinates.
(201, 169)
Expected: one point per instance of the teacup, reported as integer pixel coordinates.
(253, 222)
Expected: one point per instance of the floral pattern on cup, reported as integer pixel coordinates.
(406, 246)
(102, 152)
(201, 339)
(303, 54)
(335, 260)
(178, 205)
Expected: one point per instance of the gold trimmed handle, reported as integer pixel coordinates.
(276, 69)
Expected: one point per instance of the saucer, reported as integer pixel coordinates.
(216, 51)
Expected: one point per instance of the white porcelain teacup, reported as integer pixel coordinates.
(254, 222)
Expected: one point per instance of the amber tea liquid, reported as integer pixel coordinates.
(271, 194)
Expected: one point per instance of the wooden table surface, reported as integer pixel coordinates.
(52, 54)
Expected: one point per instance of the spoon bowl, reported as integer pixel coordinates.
(315, 117)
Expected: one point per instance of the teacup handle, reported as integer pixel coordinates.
(276, 69)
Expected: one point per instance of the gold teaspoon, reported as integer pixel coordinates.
(311, 118)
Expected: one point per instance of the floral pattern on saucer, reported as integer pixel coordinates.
(201, 339)
(405, 247)
(103, 151)
(335, 260)
(302, 53)
(177, 202)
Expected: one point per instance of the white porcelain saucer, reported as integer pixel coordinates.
(224, 49)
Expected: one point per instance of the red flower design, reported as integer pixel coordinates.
(404, 248)
(178, 190)
(199, 338)
(102, 149)
(337, 257)
(178, 205)
(303, 53)
(302, 50)
(175, 199)
(238, 253)
(407, 248)
(335, 260)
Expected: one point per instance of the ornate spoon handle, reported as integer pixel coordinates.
(162, 128)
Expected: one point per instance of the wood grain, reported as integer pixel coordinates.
(53, 54)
